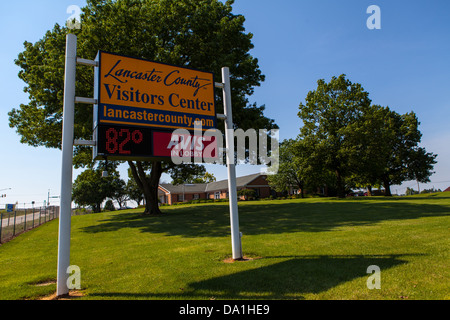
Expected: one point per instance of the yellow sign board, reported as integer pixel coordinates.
(143, 93)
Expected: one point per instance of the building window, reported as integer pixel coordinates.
(180, 198)
(217, 195)
(196, 196)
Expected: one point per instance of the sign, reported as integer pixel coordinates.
(140, 102)
(10, 207)
(129, 135)
(136, 92)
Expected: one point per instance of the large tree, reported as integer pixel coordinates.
(91, 189)
(293, 167)
(390, 153)
(420, 165)
(362, 144)
(375, 131)
(405, 159)
(201, 34)
(331, 115)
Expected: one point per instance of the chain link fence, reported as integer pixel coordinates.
(21, 220)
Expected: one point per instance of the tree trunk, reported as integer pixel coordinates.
(369, 191)
(148, 185)
(340, 187)
(301, 187)
(97, 208)
(387, 188)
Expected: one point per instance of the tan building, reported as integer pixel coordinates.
(171, 194)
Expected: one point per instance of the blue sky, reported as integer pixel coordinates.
(405, 65)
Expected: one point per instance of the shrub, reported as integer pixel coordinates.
(248, 194)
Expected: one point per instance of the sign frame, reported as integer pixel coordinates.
(64, 230)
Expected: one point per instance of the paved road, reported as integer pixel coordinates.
(20, 219)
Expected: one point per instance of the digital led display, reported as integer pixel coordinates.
(122, 141)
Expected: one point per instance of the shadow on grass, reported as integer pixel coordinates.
(402, 198)
(270, 217)
(288, 279)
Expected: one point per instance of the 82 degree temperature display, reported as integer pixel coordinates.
(120, 141)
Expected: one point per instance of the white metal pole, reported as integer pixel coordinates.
(232, 190)
(66, 171)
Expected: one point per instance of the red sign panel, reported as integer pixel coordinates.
(167, 145)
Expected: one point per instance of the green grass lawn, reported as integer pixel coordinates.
(306, 249)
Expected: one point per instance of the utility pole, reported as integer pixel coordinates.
(231, 166)
(66, 171)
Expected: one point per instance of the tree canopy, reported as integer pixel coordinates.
(347, 142)
(293, 170)
(200, 34)
(331, 117)
(91, 189)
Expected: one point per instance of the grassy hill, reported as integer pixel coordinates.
(303, 249)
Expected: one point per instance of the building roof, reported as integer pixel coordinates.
(209, 187)
(223, 185)
(184, 188)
